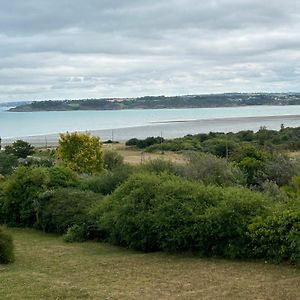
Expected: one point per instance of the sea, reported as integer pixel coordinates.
(124, 124)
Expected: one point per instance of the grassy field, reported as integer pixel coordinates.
(134, 156)
(48, 268)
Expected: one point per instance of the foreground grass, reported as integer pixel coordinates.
(48, 268)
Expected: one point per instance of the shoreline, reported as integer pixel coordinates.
(173, 129)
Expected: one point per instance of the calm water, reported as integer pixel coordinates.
(42, 123)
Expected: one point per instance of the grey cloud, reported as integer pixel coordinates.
(75, 49)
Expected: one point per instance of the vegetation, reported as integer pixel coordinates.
(148, 102)
(20, 149)
(6, 248)
(81, 152)
(234, 196)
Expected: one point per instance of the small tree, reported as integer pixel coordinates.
(81, 152)
(20, 149)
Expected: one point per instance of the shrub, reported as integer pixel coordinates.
(60, 176)
(6, 248)
(223, 227)
(108, 181)
(210, 169)
(281, 169)
(150, 212)
(76, 234)
(112, 159)
(19, 192)
(8, 162)
(63, 208)
(276, 237)
(20, 149)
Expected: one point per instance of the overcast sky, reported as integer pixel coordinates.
(62, 49)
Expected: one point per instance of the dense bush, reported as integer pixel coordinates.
(277, 236)
(63, 208)
(6, 248)
(18, 194)
(280, 169)
(108, 181)
(60, 176)
(165, 212)
(8, 162)
(210, 169)
(20, 149)
(112, 159)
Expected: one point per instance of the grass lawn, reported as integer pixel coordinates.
(48, 268)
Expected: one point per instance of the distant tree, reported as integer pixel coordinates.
(81, 152)
(20, 149)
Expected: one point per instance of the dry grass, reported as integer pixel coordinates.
(47, 268)
(135, 156)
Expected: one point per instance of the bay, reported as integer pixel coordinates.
(142, 123)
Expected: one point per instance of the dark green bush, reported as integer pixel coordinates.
(108, 181)
(6, 248)
(60, 176)
(8, 162)
(20, 149)
(276, 237)
(18, 194)
(150, 212)
(63, 208)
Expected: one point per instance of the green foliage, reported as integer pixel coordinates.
(150, 212)
(108, 181)
(210, 169)
(276, 237)
(8, 162)
(6, 248)
(220, 147)
(19, 192)
(112, 159)
(144, 143)
(76, 234)
(280, 169)
(20, 149)
(60, 176)
(63, 208)
(252, 161)
(81, 152)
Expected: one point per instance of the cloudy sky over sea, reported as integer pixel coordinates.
(98, 48)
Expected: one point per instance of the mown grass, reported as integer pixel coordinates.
(48, 268)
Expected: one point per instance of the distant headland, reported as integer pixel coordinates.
(161, 102)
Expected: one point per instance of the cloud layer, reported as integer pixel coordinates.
(81, 49)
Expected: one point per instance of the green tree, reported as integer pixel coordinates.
(20, 149)
(81, 152)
